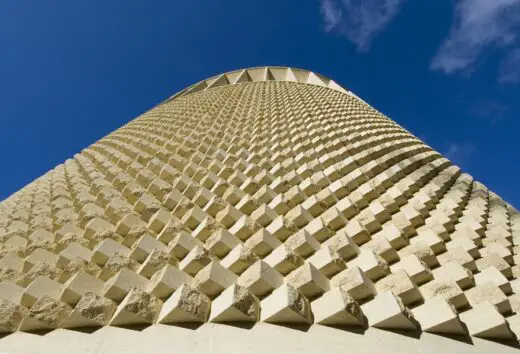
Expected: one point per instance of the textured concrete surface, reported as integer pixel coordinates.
(223, 339)
(266, 195)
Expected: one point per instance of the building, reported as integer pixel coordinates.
(262, 210)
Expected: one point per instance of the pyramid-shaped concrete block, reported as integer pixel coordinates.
(260, 279)
(186, 305)
(284, 260)
(166, 280)
(92, 310)
(401, 285)
(12, 315)
(448, 290)
(309, 281)
(303, 243)
(41, 287)
(286, 305)
(356, 283)
(182, 244)
(485, 321)
(386, 311)
(235, 304)
(337, 308)
(117, 287)
(438, 316)
(138, 307)
(262, 242)
(213, 279)
(239, 259)
(156, 260)
(46, 313)
(78, 285)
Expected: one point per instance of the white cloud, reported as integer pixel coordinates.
(459, 153)
(478, 25)
(359, 20)
(510, 68)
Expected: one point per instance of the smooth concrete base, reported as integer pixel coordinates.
(262, 338)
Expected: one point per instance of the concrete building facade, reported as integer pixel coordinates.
(261, 210)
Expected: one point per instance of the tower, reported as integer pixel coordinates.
(257, 210)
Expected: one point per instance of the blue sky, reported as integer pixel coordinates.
(447, 70)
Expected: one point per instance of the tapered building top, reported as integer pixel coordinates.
(268, 206)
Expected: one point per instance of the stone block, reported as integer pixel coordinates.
(319, 230)
(446, 289)
(39, 255)
(12, 315)
(117, 287)
(286, 305)
(166, 280)
(453, 271)
(328, 261)
(239, 259)
(485, 321)
(260, 279)
(309, 281)
(436, 315)
(138, 307)
(195, 260)
(228, 216)
(416, 269)
(205, 229)
(221, 242)
(236, 304)
(356, 283)
(284, 260)
(400, 284)
(488, 291)
(337, 308)
(38, 288)
(159, 220)
(92, 310)
(73, 252)
(371, 264)
(357, 232)
(78, 285)
(11, 292)
(213, 279)
(194, 217)
(155, 261)
(494, 276)
(386, 311)
(264, 215)
(186, 305)
(303, 243)
(46, 313)
(244, 228)
(144, 246)
(182, 244)
(262, 242)
(106, 249)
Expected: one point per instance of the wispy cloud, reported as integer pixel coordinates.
(489, 109)
(478, 25)
(460, 153)
(359, 20)
(510, 68)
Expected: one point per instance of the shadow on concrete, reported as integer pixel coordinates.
(352, 329)
(302, 327)
(137, 328)
(86, 330)
(242, 325)
(186, 325)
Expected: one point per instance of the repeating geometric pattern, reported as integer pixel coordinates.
(259, 198)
